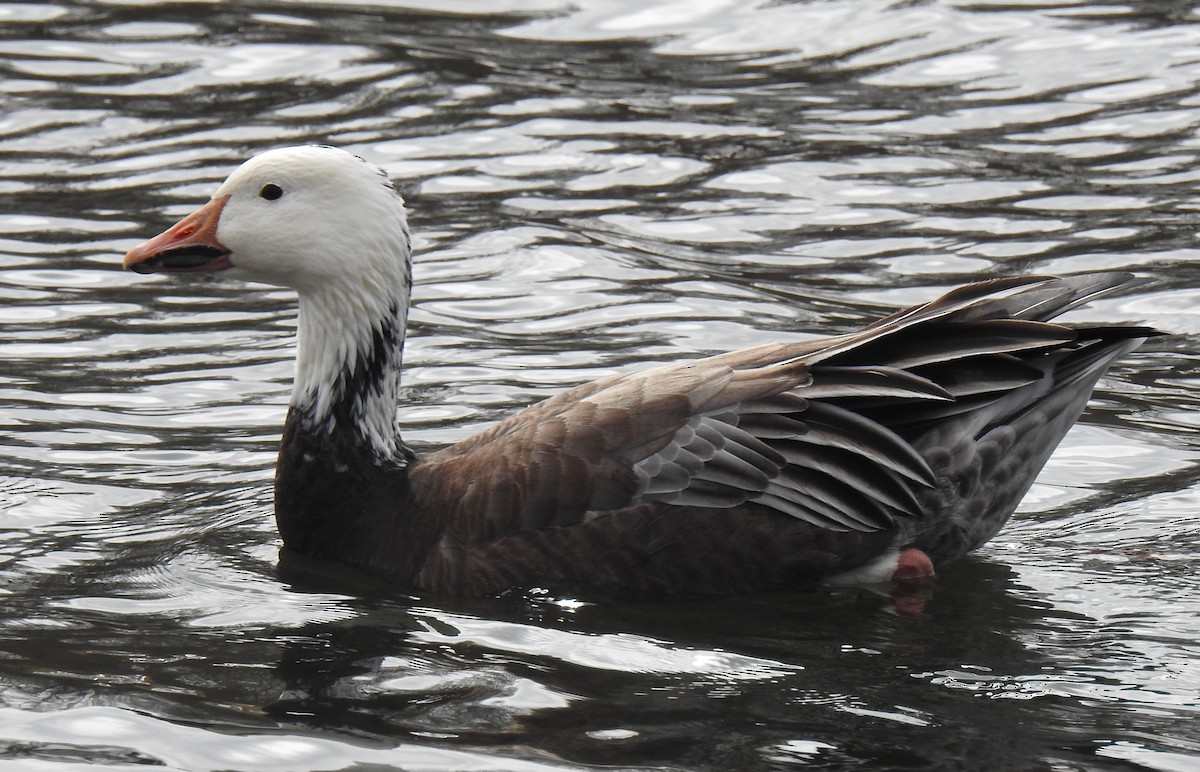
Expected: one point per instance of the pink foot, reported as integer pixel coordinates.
(913, 566)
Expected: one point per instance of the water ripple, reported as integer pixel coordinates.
(594, 185)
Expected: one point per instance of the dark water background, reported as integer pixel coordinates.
(593, 184)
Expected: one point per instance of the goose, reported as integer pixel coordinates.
(869, 457)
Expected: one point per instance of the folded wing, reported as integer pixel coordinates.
(828, 432)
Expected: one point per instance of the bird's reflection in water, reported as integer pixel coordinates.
(846, 668)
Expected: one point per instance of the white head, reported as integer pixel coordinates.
(299, 217)
(332, 227)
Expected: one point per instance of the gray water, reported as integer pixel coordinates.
(594, 184)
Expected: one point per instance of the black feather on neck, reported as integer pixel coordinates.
(337, 497)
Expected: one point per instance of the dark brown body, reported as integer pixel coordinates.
(759, 469)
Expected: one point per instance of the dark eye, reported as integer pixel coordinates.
(271, 191)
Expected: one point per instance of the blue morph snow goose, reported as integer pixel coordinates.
(865, 457)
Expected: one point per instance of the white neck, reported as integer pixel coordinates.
(351, 341)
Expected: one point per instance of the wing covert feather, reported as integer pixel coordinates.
(821, 431)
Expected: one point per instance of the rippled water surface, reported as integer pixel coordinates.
(594, 183)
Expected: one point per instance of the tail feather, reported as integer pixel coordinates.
(1016, 381)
